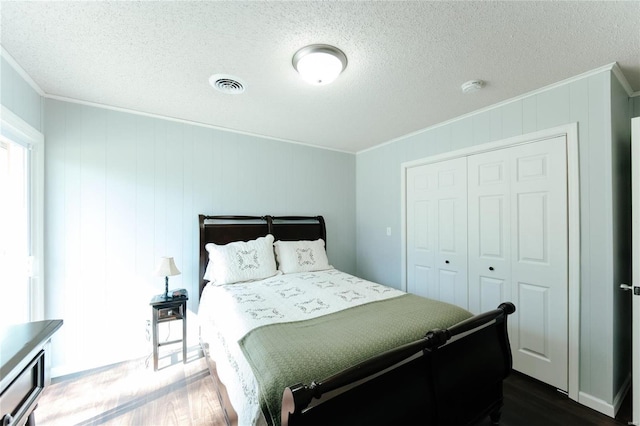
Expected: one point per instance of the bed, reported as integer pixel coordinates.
(306, 344)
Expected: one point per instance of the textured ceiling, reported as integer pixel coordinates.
(407, 60)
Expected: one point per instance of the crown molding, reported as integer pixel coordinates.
(612, 67)
(192, 123)
(615, 69)
(16, 66)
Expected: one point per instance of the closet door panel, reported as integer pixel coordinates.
(499, 235)
(491, 239)
(539, 266)
(447, 280)
(437, 231)
(422, 284)
(533, 303)
(420, 238)
(451, 256)
(491, 290)
(447, 226)
(489, 230)
(451, 252)
(532, 233)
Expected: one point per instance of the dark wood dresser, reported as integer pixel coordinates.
(22, 369)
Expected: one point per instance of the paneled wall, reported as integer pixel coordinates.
(19, 97)
(124, 189)
(586, 101)
(621, 215)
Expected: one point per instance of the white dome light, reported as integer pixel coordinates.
(319, 63)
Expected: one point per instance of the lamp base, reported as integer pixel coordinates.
(166, 288)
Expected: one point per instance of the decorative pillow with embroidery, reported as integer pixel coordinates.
(301, 256)
(241, 261)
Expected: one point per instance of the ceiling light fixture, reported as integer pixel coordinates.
(319, 63)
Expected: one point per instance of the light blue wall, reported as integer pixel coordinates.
(124, 189)
(621, 189)
(586, 101)
(18, 96)
(635, 106)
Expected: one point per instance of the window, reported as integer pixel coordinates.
(15, 247)
(21, 219)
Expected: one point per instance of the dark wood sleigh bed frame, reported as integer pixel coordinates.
(449, 377)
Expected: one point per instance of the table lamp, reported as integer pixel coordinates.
(167, 268)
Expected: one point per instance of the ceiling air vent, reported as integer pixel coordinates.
(227, 84)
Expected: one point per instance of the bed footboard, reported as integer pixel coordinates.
(451, 376)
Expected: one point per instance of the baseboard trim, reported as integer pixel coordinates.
(622, 394)
(609, 409)
(63, 370)
(596, 404)
(69, 368)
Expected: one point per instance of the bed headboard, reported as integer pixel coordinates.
(227, 229)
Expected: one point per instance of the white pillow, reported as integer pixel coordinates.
(301, 256)
(241, 261)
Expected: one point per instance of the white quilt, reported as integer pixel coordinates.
(228, 312)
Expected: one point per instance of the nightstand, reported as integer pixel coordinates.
(164, 310)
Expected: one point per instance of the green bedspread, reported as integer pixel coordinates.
(284, 354)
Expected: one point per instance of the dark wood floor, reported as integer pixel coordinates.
(528, 402)
(131, 393)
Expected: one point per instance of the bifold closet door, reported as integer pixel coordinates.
(518, 250)
(489, 205)
(436, 208)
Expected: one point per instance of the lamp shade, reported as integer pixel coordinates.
(167, 267)
(319, 63)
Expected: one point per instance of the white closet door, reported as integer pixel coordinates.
(437, 232)
(540, 261)
(518, 243)
(420, 232)
(489, 230)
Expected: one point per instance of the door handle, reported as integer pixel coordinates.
(627, 287)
